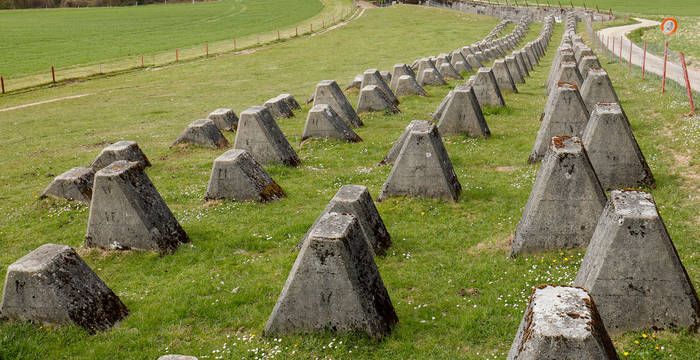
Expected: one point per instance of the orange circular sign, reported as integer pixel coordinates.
(669, 26)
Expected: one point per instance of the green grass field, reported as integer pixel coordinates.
(213, 297)
(34, 40)
(685, 39)
(656, 7)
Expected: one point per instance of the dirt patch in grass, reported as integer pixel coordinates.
(502, 244)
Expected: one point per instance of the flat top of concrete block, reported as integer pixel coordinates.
(421, 126)
(120, 145)
(561, 311)
(220, 111)
(75, 172)
(499, 61)
(326, 82)
(230, 155)
(117, 168)
(39, 258)
(484, 69)
(369, 88)
(350, 192)
(633, 203)
(254, 110)
(333, 226)
(405, 77)
(597, 71)
(608, 108)
(566, 145)
(566, 86)
(202, 122)
(571, 64)
(510, 57)
(371, 71)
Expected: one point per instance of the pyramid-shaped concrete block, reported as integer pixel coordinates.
(530, 53)
(503, 77)
(614, 151)
(587, 62)
(564, 114)
(290, 101)
(407, 85)
(514, 70)
(356, 200)
(398, 71)
(597, 88)
(259, 134)
(561, 322)
(526, 61)
(386, 76)
(521, 63)
(568, 73)
(53, 285)
(486, 88)
(225, 119)
(237, 176)
(328, 92)
(462, 115)
(446, 69)
(422, 167)
(127, 212)
(322, 122)
(74, 184)
(334, 285)
(120, 150)
(279, 108)
(356, 83)
(565, 203)
(564, 55)
(459, 62)
(372, 99)
(428, 74)
(393, 153)
(372, 77)
(633, 270)
(202, 132)
(473, 62)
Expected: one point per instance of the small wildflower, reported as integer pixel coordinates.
(636, 341)
(644, 336)
(561, 253)
(626, 353)
(422, 213)
(657, 348)
(555, 260)
(566, 259)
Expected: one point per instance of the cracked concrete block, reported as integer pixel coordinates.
(53, 285)
(74, 184)
(202, 132)
(597, 88)
(328, 92)
(372, 77)
(225, 119)
(372, 98)
(514, 69)
(462, 114)
(503, 77)
(120, 150)
(237, 176)
(561, 323)
(633, 270)
(407, 85)
(613, 150)
(323, 122)
(127, 212)
(259, 134)
(486, 88)
(565, 203)
(334, 285)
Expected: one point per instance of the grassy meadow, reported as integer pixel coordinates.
(212, 298)
(654, 7)
(686, 39)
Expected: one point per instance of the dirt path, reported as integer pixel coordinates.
(654, 64)
(43, 102)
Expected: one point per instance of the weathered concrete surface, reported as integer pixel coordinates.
(586, 63)
(356, 83)
(568, 73)
(202, 132)
(614, 151)
(279, 108)
(74, 184)
(633, 271)
(462, 114)
(398, 71)
(459, 62)
(563, 53)
(290, 101)
(428, 74)
(372, 77)
(521, 63)
(386, 76)
(503, 77)
(372, 98)
(561, 323)
(120, 150)
(526, 60)
(597, 88)
(422, 167)
(514, 69)
(53, 285)
(323, 122)
(177, 357)
(334, 285)
(565, 203)
(237, 176)
(356, 200)
(530, 52)
(225, 119)
(393, 153)
(328, 92)
(473, 62)
(446, 69)
(486, 88)
(259, 134)
(564, 114)
(127, 212)
(407, 85)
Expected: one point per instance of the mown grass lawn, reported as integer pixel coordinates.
(213, 297)
(654, 7)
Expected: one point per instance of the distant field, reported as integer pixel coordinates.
(34, 40)
(686, 39)
(663, 7)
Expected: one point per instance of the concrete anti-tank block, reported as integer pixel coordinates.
(328, 92)
(386, 76)
(372, 98)
(503, 77)
(525, 60)
(473, 62)
(459, 62)
(564, 114)
(290, 101)
(323, 122)
(398, 71)
(430, 77)
(356, 200)
(259, 134)
(396, 148)
(225, 119)
(446, 69)
(486, 88)
(356, 83)
(127, 212)
(372, 77)
(422, 167)
(407, 85)
(521, 63)
(462, 115)
(633, 270)
(120, 150)
(613, 150)
(565, 203)
(597, 88)
(202, 132)
(561, 323)
(514, 70)
(334, 285)
(586, 63)
(53, 285)
(568, 73)
(279, 108)
(237, 176)
(74, 184)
